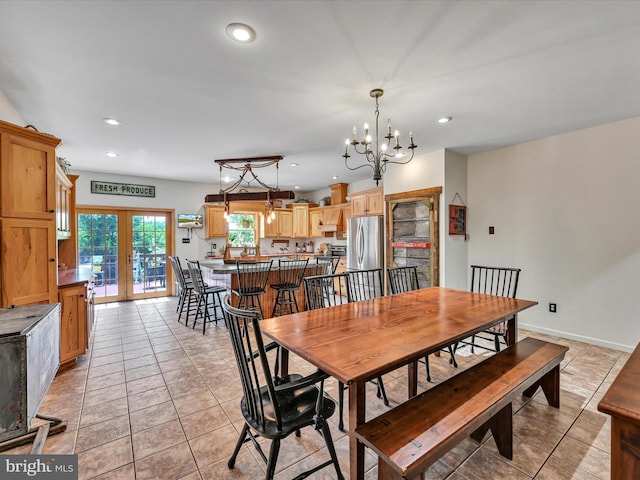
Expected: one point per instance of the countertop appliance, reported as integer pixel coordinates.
(337, 251)
(365, 247)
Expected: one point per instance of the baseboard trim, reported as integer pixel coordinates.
(579, 338)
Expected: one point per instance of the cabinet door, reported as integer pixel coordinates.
(28, 272)
(375, 203)
(285, 224)
(271, 228)
(73, 322)
(63, 205)
(28, 180)
(315, 219)
(358, 205)
(217, 225)
(300, 221)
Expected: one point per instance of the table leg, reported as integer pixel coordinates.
(284, 361)
(512, 330)
(412, 379)
(357, 406)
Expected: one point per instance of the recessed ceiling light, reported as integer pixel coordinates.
(335, 177)
(111, 154)
(293, 164)
(296, 187)
(445, 119)
(226, 179)
(241, 33)
(111, 121)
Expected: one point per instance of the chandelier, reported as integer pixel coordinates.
(378, 156)
(239, 190)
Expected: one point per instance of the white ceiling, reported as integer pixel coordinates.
(507, 71)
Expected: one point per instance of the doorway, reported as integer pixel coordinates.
(127, 250)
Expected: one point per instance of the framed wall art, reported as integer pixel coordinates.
(457, 220)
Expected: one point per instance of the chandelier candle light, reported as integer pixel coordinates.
(379, 158)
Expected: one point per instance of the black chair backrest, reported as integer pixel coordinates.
(177, 271)
(253, 276)
(501, 281)
(326, 290)
(291, 272)
(365, 284)
(196, 277)
(329, 264)
(253, 365)
(403, 279)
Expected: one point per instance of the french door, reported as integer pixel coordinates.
(127, 250)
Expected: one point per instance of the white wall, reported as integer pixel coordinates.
(183, 197)
(456, 265)
(563, 211)
(8, 113)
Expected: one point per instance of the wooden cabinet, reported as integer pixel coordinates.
(217, 226)
(367, 203)
(68, 249)
(64, 187)
(28, 262)
(28, 173)
(301, 226)
(281, 226)
(73, 322)
(315, 222)
(27, 216)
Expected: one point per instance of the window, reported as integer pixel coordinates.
(242, 230)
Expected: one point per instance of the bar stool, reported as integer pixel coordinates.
(290, 275)
(252, 284)
(203, 293)
(186, 289)
(329, 264)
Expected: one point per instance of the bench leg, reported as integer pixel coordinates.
(550, 384)
(385, 472)
(501, 426)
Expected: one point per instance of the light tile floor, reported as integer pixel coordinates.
(153, 399)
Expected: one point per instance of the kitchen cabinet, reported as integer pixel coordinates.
(68, 249)
(281, 226)
(73, 323)
(28, 173)
(27, 216)
(64, 187)
(217, 225)
(28, 262)
(301, 226)
(315, 222)
(76, 297)
(367, 203)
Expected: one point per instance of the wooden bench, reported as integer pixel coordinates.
(415, 434)
(622, 402)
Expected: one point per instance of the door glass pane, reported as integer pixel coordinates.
(98, 250)
(149, 246)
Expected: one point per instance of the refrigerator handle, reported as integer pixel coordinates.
(360, 245)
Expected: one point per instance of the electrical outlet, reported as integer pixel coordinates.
(553, 308)
(492, 230)
(214, 246)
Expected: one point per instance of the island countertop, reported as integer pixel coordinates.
(219, 268)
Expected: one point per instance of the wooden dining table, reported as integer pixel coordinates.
(359, 341)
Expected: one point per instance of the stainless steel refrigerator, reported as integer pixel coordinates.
(365, 243)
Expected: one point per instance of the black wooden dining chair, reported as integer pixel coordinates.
(329, 264)
(405, 279)
(290, 275)
(209, 301)
(275, 408)
(252, 284)
(323, 291)
(365, 284)
(500, 281)
(185, 295)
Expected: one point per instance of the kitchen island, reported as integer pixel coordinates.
(215, 272)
